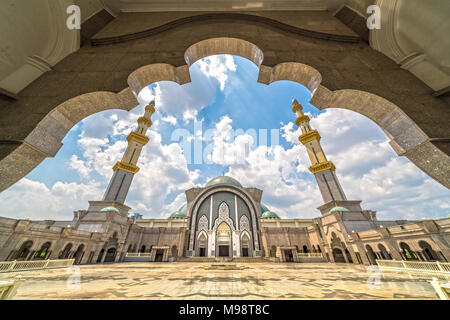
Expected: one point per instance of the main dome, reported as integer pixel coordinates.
(223, 180)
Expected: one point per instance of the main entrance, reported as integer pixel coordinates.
(224, 240)
(224, 251)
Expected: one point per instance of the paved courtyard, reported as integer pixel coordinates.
(187, 280)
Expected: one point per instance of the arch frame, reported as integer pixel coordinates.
(406, 137)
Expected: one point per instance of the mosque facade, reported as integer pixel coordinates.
(225, 220)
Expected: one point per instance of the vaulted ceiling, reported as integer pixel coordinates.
(33, 36)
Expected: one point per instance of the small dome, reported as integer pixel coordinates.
(223, 180)
(270, 215)
(180, 213)
(110, 209)
(338, 209)
(264, 208)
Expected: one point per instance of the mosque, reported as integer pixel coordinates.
(224, 219)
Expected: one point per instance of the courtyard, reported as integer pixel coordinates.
(188, 280)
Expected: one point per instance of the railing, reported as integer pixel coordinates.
(433, 268)
(10, 266)
(309, 254)
(138, 254)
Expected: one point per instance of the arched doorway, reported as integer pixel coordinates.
(110, 255)
(427, 251)
(202, 243)
(24, 250)
(371, 255)
(79, 254)
(407, 253)
(384, 253)
(66, 252)
(224, 240)
(245, 245)
(43, 252)
(338, 255)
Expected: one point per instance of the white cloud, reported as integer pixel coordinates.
(56, 203)
(367, 167)
(218, 67)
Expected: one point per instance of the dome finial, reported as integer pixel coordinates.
(296, 106)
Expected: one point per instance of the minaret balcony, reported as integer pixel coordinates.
(138, 137)
(151, 108)
(309, 136)
(322, 166)
(145, 121)
(301, 119)
(126, 167)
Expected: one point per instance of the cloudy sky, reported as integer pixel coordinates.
(224, 121)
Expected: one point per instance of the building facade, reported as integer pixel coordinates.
(225, 220)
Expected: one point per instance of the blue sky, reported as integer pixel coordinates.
(232, 107)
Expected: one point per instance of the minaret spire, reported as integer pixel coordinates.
(125, 169)
(323, 170)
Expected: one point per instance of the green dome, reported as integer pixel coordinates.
(180, 213)
(264, 208)
(270, 215)
(338, 209)
(110, 209)
(223, 180)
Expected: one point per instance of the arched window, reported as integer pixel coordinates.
(24, 250)
(384, 253)
(428, 251)
(43, 252)
(100, 255)
(65, 253)
(318, 248)
(79, 254)
(143, 248)
(305, 249)
(130, 247)
(371, 255)
(407, 253)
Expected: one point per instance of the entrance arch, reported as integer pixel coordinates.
(223, 240)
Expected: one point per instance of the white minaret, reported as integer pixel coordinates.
(125, 169)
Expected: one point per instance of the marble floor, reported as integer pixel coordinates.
(187, 280)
